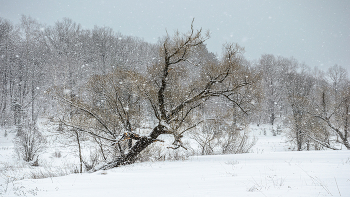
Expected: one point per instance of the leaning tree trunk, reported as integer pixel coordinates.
(142, 143)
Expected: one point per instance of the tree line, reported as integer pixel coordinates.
(105, 87)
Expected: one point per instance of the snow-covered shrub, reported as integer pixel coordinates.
(30, 144)
(57, 154)
(208, 138)
(237, 142)
(222, 138)
(92, 161)
(160, 152)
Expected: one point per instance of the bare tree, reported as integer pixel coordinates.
(30, 144)
(172, 93)
(335, 106)
(269, 67)
(65, 44)
(299, 88)
(338, 77)
(7, 54)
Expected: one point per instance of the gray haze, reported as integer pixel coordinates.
(316, 32)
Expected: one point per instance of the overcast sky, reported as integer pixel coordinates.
(316, 32)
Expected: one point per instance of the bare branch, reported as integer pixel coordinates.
(89, 132)
(233, 101)
(88, 112)
(320, 142)
(191, 127)
(186, 115)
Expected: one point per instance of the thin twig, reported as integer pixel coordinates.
(337, 185)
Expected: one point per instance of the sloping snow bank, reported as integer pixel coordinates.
(313, 173)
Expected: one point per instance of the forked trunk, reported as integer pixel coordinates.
(129, 158)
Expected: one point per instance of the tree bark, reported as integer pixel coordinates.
(80, 156)
(141, 143)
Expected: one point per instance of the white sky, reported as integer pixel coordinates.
(316, 32)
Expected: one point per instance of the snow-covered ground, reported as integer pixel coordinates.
(270, 170)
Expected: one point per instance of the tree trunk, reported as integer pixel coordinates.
(142, 143)
(299, 140)
(80, 156)
(346, 122)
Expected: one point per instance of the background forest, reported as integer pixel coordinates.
(96, 86)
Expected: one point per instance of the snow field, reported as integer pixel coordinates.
(269, 170)
(322, 173)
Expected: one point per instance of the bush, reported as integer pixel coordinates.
(57, 154)
(29, 144)
(159, 152)
(220, 138)
(236, 142)
(92, 162)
